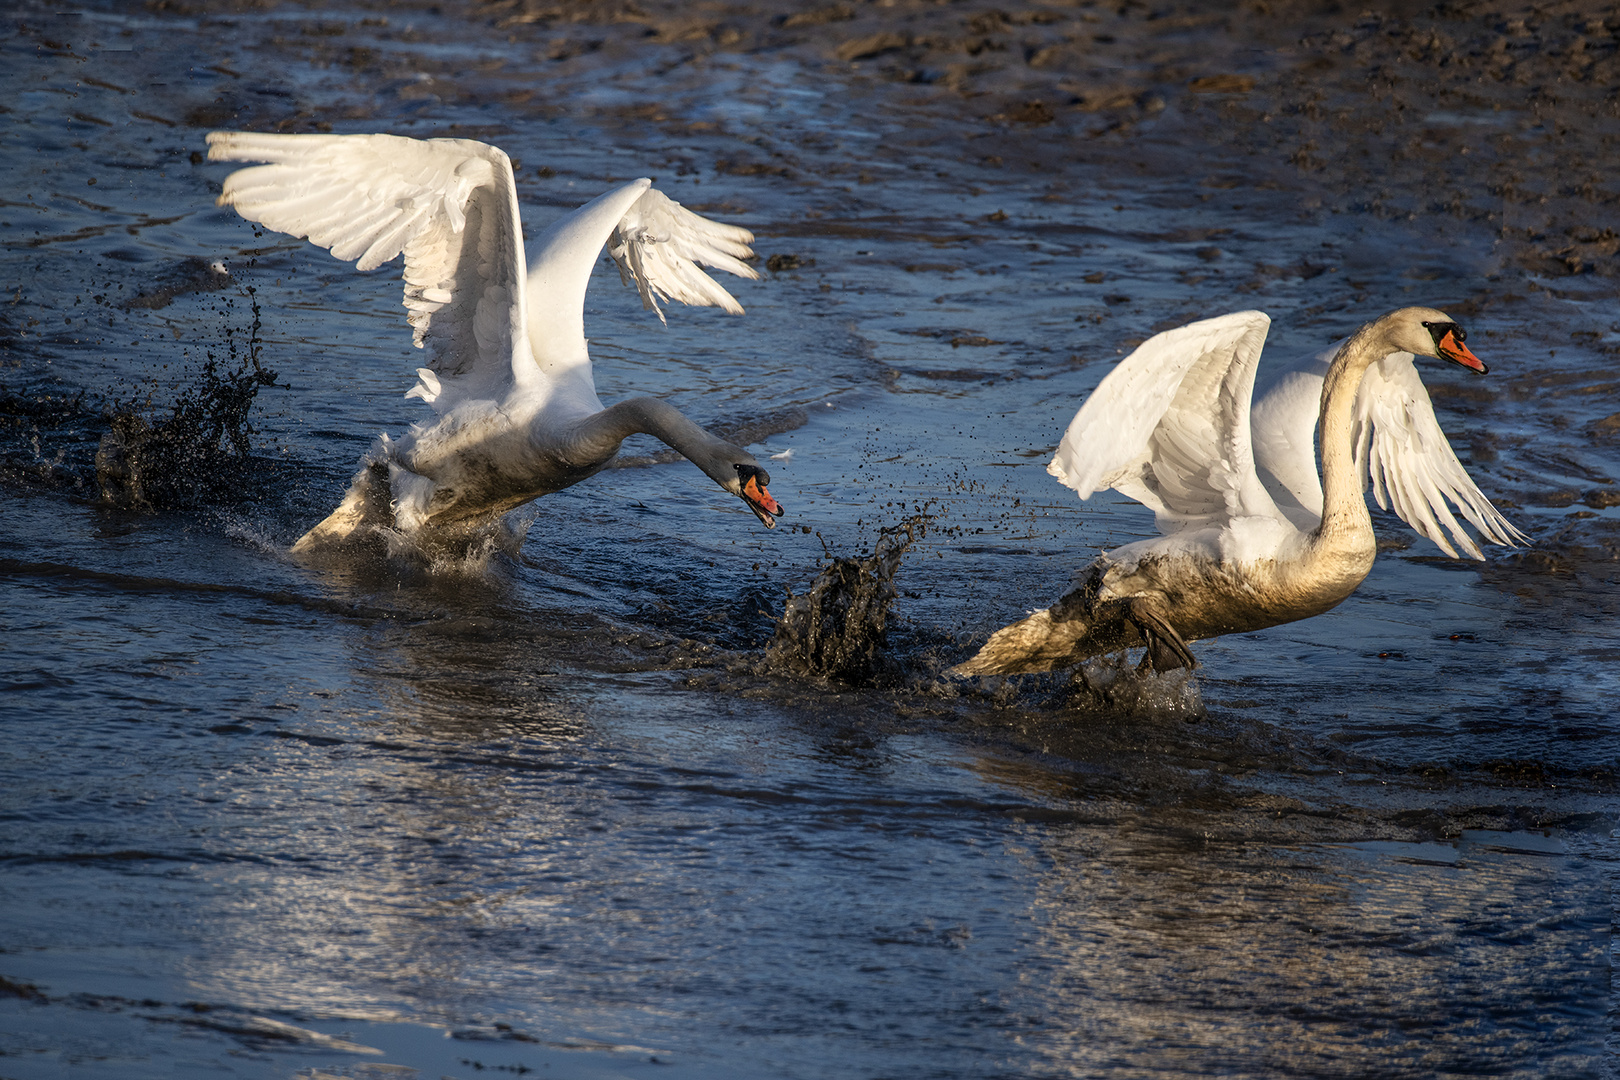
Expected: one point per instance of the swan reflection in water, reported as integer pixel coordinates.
(508, 372)
(1251, 537)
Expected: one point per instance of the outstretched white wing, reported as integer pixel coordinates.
(655, 242)
(658, 244)
(449, 205)
(1283, 427)
(1169, 426)
(1398, 446)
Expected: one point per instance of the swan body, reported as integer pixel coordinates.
(508, 372)
(1252, 536)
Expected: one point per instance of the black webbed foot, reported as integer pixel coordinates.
(1165, 650)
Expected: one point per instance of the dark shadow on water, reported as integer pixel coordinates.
(189, 275)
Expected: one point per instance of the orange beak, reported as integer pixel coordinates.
(1458, 353)
(760, 502)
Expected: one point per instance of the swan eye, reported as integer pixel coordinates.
(1439, 330)
(746, 471)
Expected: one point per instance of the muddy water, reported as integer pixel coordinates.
(556, 811)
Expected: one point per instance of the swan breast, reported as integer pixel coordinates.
(1204, 595)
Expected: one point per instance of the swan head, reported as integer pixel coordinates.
(749, 486)
(1427, 332)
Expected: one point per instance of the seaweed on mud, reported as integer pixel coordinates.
(837, 630)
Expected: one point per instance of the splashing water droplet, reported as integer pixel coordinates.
(836, 629)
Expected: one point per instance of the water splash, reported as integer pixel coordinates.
(837, 629)
(198, 453)
(1113, 684)
(461, 550)
(48, 439)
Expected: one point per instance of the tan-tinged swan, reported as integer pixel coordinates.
(1248, 542)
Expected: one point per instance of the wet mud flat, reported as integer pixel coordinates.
(561, 811)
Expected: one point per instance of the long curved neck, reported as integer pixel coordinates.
(556, 280)
(596, 438)
(1344, 508)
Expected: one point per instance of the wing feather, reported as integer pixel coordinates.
(1411, 465)
(448, 205)
(658, 244)
(1169, 426)
(1398, 446)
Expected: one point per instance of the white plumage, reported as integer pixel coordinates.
(1172, 427)
(1397, 443)
(657, 246)
(1252, 535)
(507, 371)
(1169, 425)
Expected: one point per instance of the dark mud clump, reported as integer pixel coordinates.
(135, 456)
(198, 453)
(837, 629)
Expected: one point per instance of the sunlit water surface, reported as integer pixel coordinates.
(556, 814)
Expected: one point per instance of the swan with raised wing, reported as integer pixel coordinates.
(507, 373)
(1252, 538)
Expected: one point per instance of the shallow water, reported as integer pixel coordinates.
(556, 813)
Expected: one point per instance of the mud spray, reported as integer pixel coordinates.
(836, 630)
(198, 453)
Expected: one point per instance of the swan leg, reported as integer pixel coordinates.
(1165, 649)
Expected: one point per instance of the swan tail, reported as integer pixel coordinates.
(1037, 642)
(1076, 628)
(367, 505)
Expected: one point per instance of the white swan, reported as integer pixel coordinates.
(508, 372)
(1251, 537)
